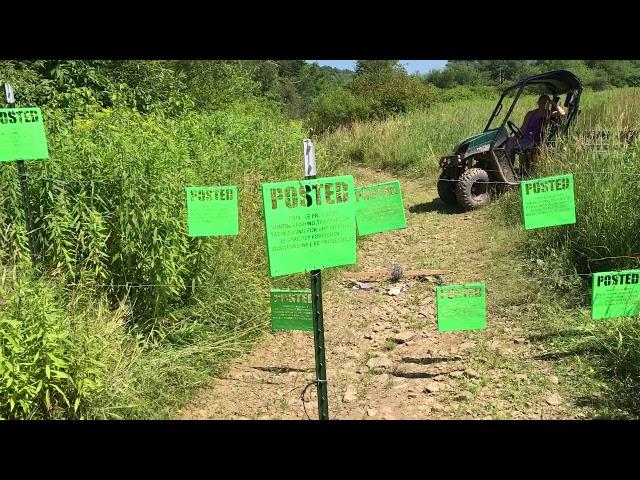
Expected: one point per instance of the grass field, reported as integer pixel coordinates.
(126, 316)
(604, 238)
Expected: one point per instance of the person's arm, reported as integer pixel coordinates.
(557, 110)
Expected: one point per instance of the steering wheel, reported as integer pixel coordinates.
(514, 129)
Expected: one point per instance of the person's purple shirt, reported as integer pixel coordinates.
(533, 128)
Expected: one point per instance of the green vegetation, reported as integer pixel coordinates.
(605, 353)
(595, 74)
(124, 316)
(134, 313)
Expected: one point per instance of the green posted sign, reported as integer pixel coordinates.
(379, 208)
(22, 135)
(615, 294)
(461, 307)
(291, 310)
(547, 202)
(310, 224)
(212, 211)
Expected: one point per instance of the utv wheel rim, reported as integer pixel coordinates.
(479, 189)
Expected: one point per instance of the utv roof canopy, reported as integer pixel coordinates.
(558, 82)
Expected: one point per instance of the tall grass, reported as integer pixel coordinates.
(109, 209)
(607, 189)
(607, 195)
(412, 144)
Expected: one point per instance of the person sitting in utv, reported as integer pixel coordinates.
(532, 127)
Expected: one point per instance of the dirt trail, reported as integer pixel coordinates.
(385, 357)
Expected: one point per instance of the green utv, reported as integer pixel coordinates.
(481, 164)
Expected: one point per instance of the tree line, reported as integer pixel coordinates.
(322, 97)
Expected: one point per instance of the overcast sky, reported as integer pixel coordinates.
(412, 66)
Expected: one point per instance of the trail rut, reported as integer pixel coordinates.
(385, 357)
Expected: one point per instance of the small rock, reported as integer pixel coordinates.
(456, 374)
(351, 394)
(432, 388)
(368, 336)
(521, 377)
(554, 379)
(467, 345)
(471, 373)
(382, 379)
(395, 330)
(464, 396)
(554, 399)
(403, 337)
(439, 378)
(371, 412)
(378, 328)
(361, 369)
(436, 407)
(394, 292)
(519, 340)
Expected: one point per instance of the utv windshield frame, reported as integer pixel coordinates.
(557, 82)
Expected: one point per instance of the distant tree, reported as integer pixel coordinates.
(457, 73)
(215, 83)
(375, 67)
(577, 67)
(336, 77)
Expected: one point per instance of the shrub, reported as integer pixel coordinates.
(338, 106)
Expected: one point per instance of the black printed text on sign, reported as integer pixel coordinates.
(615, 294)
(379, 208)
(547, 202)
(291, 310)
(22, 135)
(310, 224)
(212, 211)
(461, 307)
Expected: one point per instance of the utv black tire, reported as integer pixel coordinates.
(447, 190)
(472, 189)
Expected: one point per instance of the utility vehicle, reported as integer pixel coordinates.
(480, 164)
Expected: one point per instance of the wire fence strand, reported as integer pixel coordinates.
(173, 181)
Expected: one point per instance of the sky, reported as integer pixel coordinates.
(412, 66)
